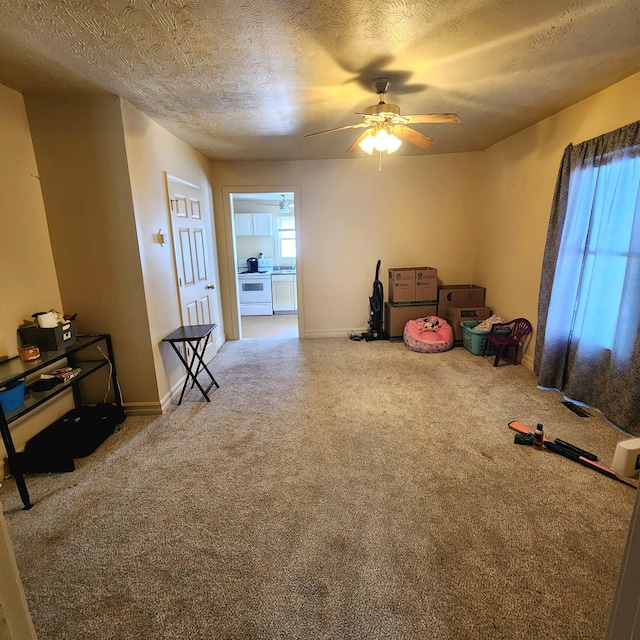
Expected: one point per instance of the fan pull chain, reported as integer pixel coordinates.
(380, 161)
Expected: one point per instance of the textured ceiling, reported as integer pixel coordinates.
(247, 79)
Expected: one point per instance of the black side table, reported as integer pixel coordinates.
(193, 335)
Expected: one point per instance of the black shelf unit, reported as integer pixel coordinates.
(14, 369)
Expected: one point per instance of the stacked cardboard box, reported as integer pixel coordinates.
(397, 316)
(413, 293)
(459, 295)
(456, 315)
(459, 302)
(413, 285)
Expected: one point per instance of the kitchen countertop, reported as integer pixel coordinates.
(284, 271)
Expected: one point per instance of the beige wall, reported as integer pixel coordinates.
(419, 211)
(521, 177)
(29, 281)
(151, 152)
(79, 145)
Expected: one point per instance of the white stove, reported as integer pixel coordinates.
(265, 266)
(254, 288)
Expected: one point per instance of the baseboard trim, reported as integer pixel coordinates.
(166, 399)
(143, 408)
(527, 361)
(341, 333)
(174, 392)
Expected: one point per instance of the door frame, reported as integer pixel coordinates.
(233, 331)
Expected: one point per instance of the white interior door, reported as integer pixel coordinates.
(190, 224)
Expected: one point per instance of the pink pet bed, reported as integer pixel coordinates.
(428, 335)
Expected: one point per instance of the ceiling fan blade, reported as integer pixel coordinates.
(354, 146)
(433, 117)
(413, 136)
(348, 126)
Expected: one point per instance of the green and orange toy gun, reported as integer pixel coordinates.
(571, 452)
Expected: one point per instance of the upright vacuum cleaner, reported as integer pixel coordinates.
(376, 305)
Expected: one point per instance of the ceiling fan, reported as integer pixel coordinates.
(283, 205)
(387, 128)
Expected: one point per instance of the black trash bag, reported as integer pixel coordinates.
(77, 434)
(89, 426)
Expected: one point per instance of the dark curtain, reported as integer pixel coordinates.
(588, 337)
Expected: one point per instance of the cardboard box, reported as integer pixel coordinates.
(409, 285)
(459, 295)
(53, 339)
(456, 315)
(397, 316)
(402, 285)
(426, 289)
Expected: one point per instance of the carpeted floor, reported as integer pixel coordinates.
(331, 490)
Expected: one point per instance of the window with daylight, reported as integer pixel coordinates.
(588, 341)
(286, 237)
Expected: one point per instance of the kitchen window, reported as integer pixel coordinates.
(286, 238)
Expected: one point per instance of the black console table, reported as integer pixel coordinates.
(14, 369)
(197, 337)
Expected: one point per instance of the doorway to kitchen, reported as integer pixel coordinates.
(277, 326)
(265, 262)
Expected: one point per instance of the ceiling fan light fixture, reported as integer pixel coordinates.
(380, 140)
(381, 85)
(393, 143)
(368, 144)
(383, 119)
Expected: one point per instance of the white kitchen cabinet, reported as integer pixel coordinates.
(284, 293)
(253, 224)
(244, 224)
(262, 224)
